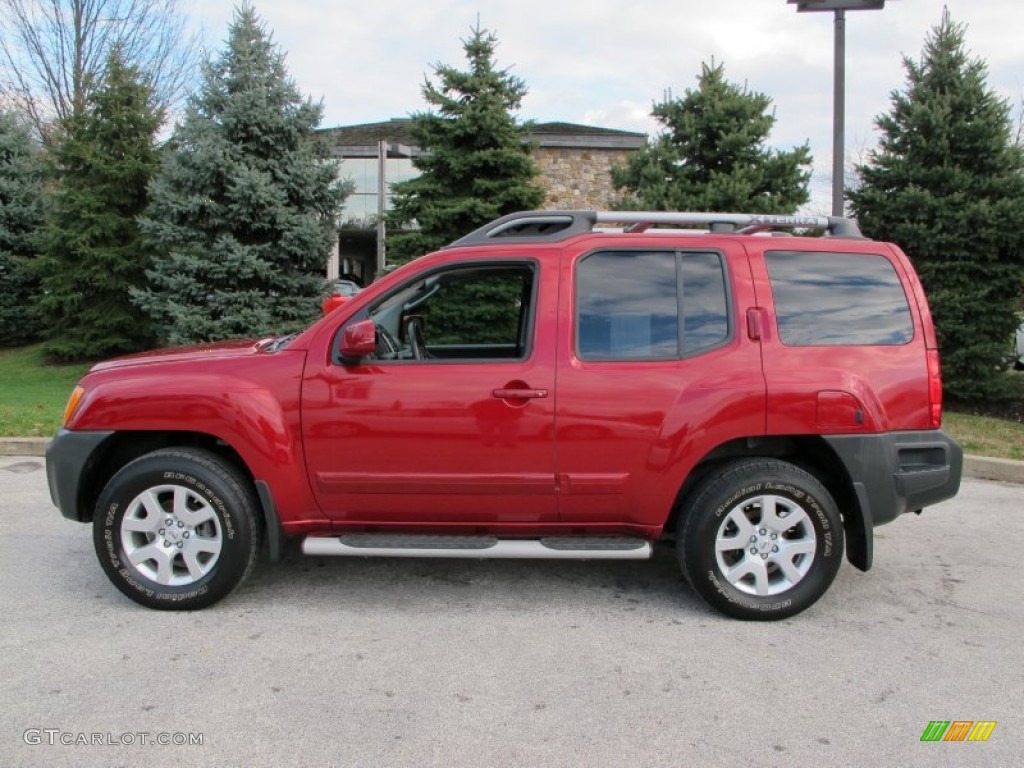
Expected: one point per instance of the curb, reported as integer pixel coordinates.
(23, 446)
(976, 467)
(1003, 470)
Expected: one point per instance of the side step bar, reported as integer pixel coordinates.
(489, 547)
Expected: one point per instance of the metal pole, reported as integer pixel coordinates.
(839, 114)
(382, 153)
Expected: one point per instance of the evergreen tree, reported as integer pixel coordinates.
(947, 183)
(21, 216)
(477, 165)
(93, 250)
(242, 212)
(711, 155)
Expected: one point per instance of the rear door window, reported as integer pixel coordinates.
(838, 299)
(650, 305)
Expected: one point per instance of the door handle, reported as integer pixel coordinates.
(519, 394)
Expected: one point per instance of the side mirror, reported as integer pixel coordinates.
(358, 340)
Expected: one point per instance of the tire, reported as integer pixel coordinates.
(177, 529)
(742, 554)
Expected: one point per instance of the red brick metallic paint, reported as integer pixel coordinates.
(408, 442)
(239, 393)
(428, 446)
(647, 424)
(887, 382)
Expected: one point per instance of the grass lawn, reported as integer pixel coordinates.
(992, 428)
(986, 436)
(33, 394)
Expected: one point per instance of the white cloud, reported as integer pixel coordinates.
(604, 62)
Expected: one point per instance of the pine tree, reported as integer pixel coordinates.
(93, 250)
(21, 216)
(477, 165)
(242, 212)
(711, 155)
(947, 183)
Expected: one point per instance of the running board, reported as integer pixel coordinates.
(548, 548)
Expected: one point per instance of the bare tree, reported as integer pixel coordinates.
(52, 51)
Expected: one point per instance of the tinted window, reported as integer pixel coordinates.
(705, 317)
(824, 299)
(478, 307)
(649, 305)
(464, 313)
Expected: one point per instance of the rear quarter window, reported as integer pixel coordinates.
(838, 299)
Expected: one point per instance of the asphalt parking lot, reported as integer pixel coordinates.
(516, 663)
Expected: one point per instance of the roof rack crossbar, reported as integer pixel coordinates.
(552, 226)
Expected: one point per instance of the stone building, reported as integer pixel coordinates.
(574, 163)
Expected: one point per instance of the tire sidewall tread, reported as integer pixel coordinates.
(720, 492)
(217, 481)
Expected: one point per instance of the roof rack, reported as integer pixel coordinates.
(552, 226)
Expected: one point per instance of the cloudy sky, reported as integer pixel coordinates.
(603, 62)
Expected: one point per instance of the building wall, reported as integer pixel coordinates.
(578, 179)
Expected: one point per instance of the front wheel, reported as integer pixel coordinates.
(762, 540)
(176, 529)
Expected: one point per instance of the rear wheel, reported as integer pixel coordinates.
(176, 529)
(761, 540)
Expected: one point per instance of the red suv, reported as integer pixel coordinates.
(546, 387)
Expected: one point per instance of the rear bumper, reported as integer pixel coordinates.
(900, 472)
(67, 459)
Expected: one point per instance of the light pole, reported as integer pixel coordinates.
(840, 7)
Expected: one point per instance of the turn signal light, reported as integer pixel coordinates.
(73, 401)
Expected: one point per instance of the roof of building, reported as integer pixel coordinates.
(577, 136)
(582, 130)
(397, 131)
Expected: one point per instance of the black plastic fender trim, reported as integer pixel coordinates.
(276, 539)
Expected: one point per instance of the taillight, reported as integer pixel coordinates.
(934, 388)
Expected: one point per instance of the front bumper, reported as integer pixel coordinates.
(68, 458)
